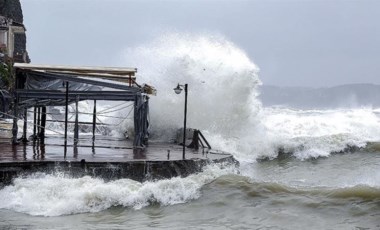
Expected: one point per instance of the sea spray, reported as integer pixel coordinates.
(57, 194)
(222, 83)
(223, 88)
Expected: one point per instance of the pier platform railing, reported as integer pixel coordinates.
(199, 140)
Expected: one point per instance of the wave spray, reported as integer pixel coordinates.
(222, 82)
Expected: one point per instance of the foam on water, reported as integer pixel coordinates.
(54, 195)
(315, 133)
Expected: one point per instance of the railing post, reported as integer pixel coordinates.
(35, 123)
(208, 145)
(76, 125)
(66, 116)
(94, 124)
(43, 124)
(38, 121)
(24, 135)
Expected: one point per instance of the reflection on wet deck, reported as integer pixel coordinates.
(106, 149)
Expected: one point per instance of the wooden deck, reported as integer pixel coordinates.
(106, 149)
(109, 158)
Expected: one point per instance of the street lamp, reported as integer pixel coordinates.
(178, 90)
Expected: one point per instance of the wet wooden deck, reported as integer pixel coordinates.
(106, 149)
(109, 158)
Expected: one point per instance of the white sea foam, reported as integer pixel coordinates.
(222, 83)
(316, 133)
(54, 195)
(223, 102)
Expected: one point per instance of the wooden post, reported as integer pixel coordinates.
(43, 124)
(24, 135)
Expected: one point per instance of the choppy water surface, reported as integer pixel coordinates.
(339, 192)
(311, 169)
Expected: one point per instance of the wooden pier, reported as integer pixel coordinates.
(109, 159)
(38, 87)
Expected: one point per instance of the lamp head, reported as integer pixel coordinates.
(178, 89)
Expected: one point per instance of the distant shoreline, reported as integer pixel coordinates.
(342, 96)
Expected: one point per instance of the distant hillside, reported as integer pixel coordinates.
(11, 9)
(344, 96)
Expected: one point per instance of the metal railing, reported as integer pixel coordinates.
(199, 139)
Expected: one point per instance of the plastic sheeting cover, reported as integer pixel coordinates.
(48, 83)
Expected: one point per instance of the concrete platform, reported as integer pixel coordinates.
(109, 158)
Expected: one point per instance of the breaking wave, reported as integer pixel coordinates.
(54, 195)
(252, 188)
(43, 194)
(223, 89)
(223, 103)
(318, 133)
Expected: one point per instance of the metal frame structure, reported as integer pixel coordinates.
(119, 82)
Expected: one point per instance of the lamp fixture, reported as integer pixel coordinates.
(178, 89)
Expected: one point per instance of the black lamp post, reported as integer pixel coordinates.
(178, 90)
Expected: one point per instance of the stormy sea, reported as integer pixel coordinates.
(305, 162)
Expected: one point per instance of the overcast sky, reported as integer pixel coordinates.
(294, 42)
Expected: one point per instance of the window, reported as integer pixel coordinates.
(3, 40)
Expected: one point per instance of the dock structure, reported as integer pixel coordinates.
(40, 86)
(110, 160)
(35, 89)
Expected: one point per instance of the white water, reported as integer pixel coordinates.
(54, 195)
(223, 85)
(223, 102)
(318, 133)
